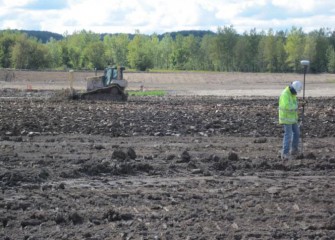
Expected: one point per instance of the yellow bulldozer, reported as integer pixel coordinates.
(110, 86)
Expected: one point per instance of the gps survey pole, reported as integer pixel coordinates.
(305, 64)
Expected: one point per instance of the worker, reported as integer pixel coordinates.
(288, 117)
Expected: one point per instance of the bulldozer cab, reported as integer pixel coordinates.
(112, 73)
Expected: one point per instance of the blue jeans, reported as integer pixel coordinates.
(291, 137)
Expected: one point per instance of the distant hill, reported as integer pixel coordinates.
(42, 36)
(45, 36)
(196, 33)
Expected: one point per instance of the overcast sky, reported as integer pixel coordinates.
(158, 16)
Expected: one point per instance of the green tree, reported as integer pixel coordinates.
(280, 52)
(206, 51)
(165, 49)
(27, 53)
(192, 45)
(117, 49)
(261, 57)
(331, 59)
(55, 51)
(7, 42)
(139, 53)
(332, 38)
(226, 40)
(155, 50)
(310, 49)
(75, 57)
(254, 38)
(180, 54)
(184, 54)
(75, 45)
(66, 62)
(94, 54)
(270, 52)
(242, 53)
(318, 57)
(294, 48)
(217, 54)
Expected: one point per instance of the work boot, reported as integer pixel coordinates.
(285, 157)
(294, 152)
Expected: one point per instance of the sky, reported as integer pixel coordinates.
(158, 16)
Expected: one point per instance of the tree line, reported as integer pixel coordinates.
(225, 50)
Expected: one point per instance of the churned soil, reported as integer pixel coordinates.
(196, 167)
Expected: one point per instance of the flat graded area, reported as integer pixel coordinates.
(180, 83)
(183, 166)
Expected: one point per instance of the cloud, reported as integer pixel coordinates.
(266, 12)
(158, 16)
(130, 15)
(296, 6)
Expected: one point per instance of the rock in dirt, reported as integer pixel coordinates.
(95, 168)
(330, 225)
(119, 155)
(170, 157)
(273, 190)
(296, 207)
(124, 155)
(4, 138)
(114, 216)
(233, 156)
(131, 153)
(61, 186)
(260, 140)
(59, 218)
(221, 165)
(310, 156)
(99, 147)
(30, 222)
(196, 171)
(75, 218)
(4, 221)
(185, 157)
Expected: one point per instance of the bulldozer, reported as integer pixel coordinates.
(110, 86)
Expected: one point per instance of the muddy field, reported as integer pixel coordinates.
(173, 167)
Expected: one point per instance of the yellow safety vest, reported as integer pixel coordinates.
(288, 107)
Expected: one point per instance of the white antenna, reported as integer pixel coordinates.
(304, 62)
